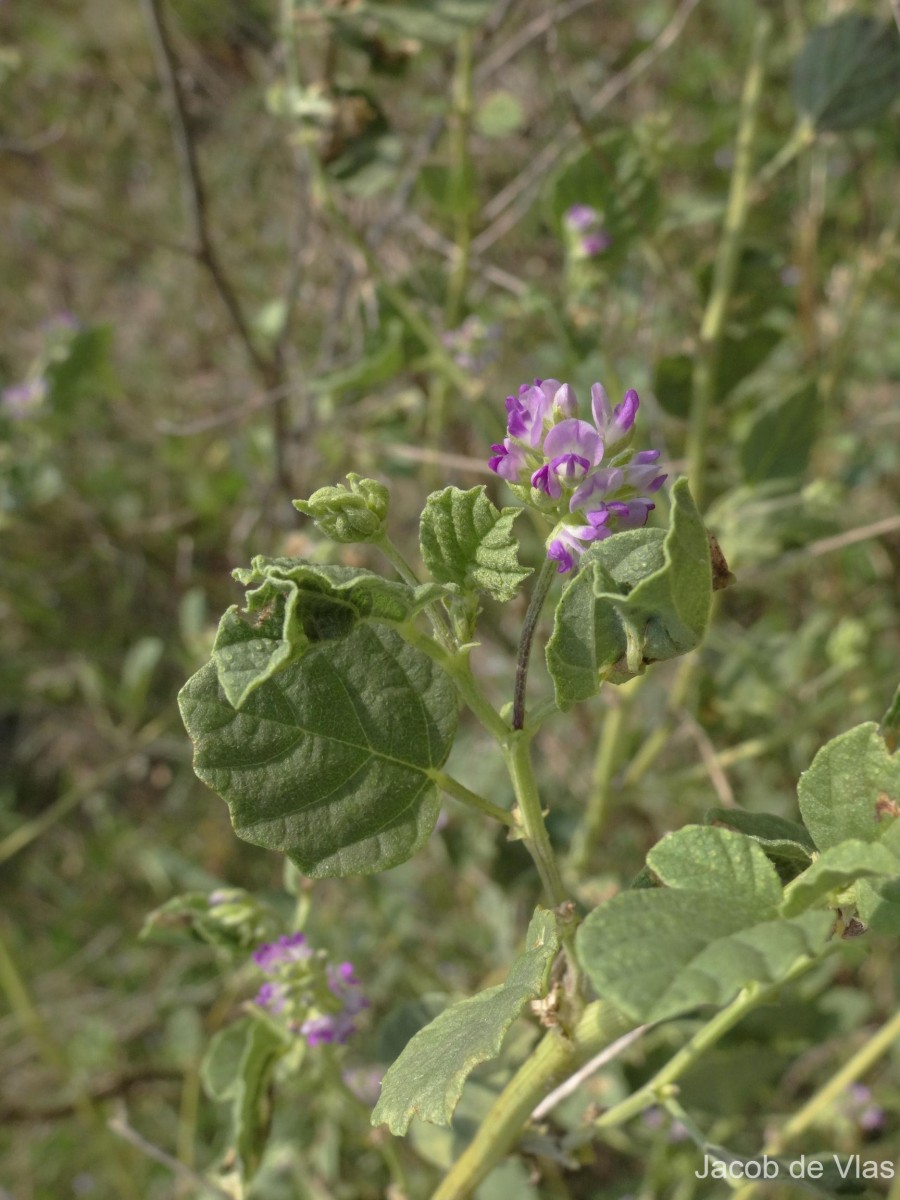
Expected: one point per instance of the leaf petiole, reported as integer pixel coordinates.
(460, 792)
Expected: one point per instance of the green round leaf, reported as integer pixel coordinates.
(640, 597)
(713, 928)
(848, 72)
(329, 760)
(841, 793)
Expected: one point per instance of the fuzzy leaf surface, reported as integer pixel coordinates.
(878, 900)
(297, 605)
(851, 788)
(467, 541)
(328, 762)
(428, 1078)
(838, 867)
(712, 929)
(641, 596)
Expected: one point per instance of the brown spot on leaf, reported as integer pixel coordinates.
(722, 577)
(886, 807)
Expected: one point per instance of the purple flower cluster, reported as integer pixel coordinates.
(338, 1026)
(289, 948)
(318, 1000)
(585, 223)
(583, 473)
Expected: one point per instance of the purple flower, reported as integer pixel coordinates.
(508, 460)
(289, 948)
(319, 1031)
(334, 1027)
(527, 410)
(860, 1107)
(329, 1029)
(593, 491)
(581, 217)
(337, 1027)
(562, 457)
(593, 244)
(558, 553)
(22, 399)
(615, 423)
(342, 976)
(343, 983)
(313, 998)
(272, 996)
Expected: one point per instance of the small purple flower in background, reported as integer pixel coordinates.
(316, 999)
(288, 949)
(62, 322)
(586, 226)
(582, 473)
(272, 996)
(337, 1026)
(860, 1107)
(593, 244)
(22, 399)
(581, 217)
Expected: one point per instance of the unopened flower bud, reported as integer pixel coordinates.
(354, 514)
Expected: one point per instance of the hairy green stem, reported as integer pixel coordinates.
(746, 1000)
(517, 753)
(456, 664)
(459, 791)
(554, 1060)
(712, 328)
(408, 575)
(538, 596)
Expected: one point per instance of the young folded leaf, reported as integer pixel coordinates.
(642, 596)
(297, 605)
(467, 541)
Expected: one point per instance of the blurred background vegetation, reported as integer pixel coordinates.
(252, 246)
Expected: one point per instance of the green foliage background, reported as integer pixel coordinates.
(180, 417)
